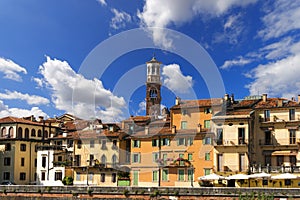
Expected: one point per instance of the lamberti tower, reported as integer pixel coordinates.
(153, 84)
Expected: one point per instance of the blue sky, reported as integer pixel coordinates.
(51, 61)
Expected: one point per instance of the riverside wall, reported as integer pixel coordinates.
(32, 192)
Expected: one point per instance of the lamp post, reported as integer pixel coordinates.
(87, 172)
(192, 175)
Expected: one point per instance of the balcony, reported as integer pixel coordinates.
(228, 143)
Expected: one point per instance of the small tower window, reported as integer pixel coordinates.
(153, 93)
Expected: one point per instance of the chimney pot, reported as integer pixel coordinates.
(226, 97)
(147, 130)
(298, 98)
(177, 101)
(199, 128)
(264, 97)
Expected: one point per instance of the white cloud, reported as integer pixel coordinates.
(232, 30)
(120, 19)
(157, 13)
(277, 49)
(30, 99)
(236, 62)
(11, 70)
(175, 80)
(102, 2)
(278, 78)
(282, 18)
(74, 94)
(142, 106)
(17, 112)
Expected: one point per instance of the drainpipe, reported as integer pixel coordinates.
(159, 157)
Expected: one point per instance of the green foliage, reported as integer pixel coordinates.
(67, 180)
(126, 193)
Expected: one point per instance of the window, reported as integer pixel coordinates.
(165, 157)
(77, 160)
(33, 133)
(206, 123)
(183, 125)
(44, 161)
(155, 142)
(20, 133)
(268, 138)
(165, 141)
(6, 175)
(91, 175)
(190, 156)
(43, 176)
(292, 114)
(92, 143)
(154, 176)
(22, 176)
(6, 161)
(8, 147)
(206, 172)
(207, 140)
(10, 132)
(39, 133)
(114, 146)
(35, 162)
(180, 174)
(70, 143)
(155, 157)
(46, 135)
(207, 110)
(26, 133)
(3, 132)
(241, 135)
(58, 176)
(91, 160)
(242, 162)
(292, 136)
(220, 162)
(114, 159)
(113, 177)
(103, 159)
(184, 112)
(219, 136)
(22, 162)
(165, 174)
(207, 156)
(136, 143)
(23, 147)
(59, 158)
(102, 177)
(79, 144)
(136, 158)
(180, 141)
(77, 176)
(267, 115)
(181, 163)
(190, 174)
(190, 141)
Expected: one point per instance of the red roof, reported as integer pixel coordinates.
(199, 103)
(11, 119)
(277, 102)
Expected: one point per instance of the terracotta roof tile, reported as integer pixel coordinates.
(199, 103)
(11, 119)
(275, 102)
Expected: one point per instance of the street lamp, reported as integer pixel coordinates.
(87, 172)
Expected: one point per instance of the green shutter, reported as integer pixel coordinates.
(165, 173)
(154, 176)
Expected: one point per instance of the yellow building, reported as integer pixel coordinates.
(277, 135)
(19, 138)
(96, 155)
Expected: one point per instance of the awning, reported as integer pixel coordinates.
(284, 153)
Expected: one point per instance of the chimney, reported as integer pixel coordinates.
(177, 101)
(146, 130)
(173, 129)
(232, 98)
(293, 98)
(226, 97)
(298, 98)
(264, 97)
(199, 128)
(279, 103)
(41, 118)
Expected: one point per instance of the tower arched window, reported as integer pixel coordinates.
(10, 132)
(20, 133)
(114, 159)
(3, 132)
(153, 93)
(39, 133)
(33, 133)
(26, 133)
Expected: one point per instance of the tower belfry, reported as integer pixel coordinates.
(153, 84)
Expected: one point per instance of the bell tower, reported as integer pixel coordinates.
(153, 84)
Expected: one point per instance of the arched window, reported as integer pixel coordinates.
(26, 133)
(103, 159)
(153, 93)
(114, 159)
(33, 133)
(46, 134)
(3, 132)
(39, 133)
(20, 133)
(10, 132)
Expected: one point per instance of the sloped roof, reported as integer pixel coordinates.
(11, 119)
(275, 102)
(198, 103)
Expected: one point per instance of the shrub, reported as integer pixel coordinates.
(67, 180)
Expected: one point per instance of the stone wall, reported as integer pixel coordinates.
(84, 192)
